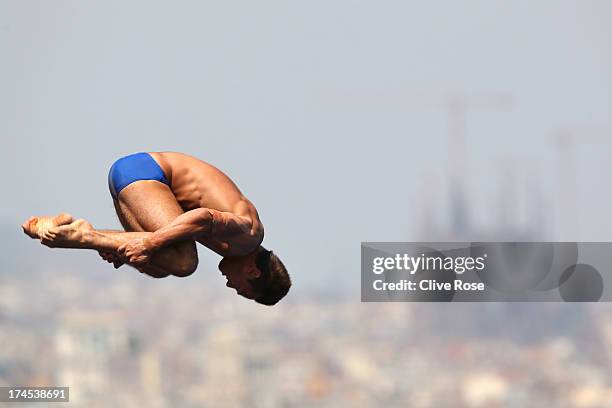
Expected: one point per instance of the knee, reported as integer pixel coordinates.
(185, 268)
(152, 271)
(186, 263)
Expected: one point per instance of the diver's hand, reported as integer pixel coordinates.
(136, 252)
(112, 258)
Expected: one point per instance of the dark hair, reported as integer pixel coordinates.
(274, 282)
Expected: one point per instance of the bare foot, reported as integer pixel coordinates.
(35, 227)
(66, 236)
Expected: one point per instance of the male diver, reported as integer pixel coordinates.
(166, 201)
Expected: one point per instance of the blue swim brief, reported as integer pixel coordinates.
(135, 167)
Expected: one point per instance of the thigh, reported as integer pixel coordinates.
(127, 220)
(147, 205)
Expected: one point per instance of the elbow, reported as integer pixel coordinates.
(205, 223)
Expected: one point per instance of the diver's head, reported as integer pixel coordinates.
(260, 276)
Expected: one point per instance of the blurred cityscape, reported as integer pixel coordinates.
(131, 341)
(120, 339)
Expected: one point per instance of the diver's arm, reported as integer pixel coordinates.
(199, 223)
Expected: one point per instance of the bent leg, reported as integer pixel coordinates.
(146, 206)
(80, 234)
(143, 207)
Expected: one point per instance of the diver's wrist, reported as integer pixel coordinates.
(153, 243)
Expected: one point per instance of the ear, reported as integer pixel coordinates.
(253, 272)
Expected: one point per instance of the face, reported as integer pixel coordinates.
(238, 271)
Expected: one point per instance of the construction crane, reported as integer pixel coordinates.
(456, 106)
(567, 140)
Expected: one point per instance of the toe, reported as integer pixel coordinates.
(63, 218)
(28, 231)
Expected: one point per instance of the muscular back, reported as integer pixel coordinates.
(197, 184)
